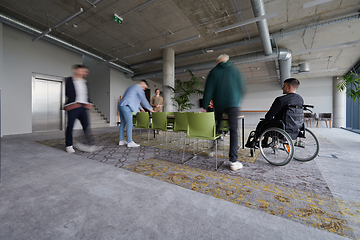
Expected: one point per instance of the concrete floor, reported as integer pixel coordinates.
(46, 193)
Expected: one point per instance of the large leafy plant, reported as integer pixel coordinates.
(350, 82)
(183, 92)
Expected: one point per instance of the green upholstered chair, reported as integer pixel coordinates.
(160, 122)
(202, 126)
(143, 121)
(224, 125)
(181, 125)
(134, 119)
(180, 122)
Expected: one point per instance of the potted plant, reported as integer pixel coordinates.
(183, 92)
(352, 80)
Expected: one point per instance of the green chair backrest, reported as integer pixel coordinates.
(201, 125)
(142, 120)
(181, 122)
(159, 121)
(224, 125)
(134, 119)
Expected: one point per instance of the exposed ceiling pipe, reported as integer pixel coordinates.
(285, 58)
(284, 55)
(259, 10)
(301, 68)
(279, 34)
(34, 31)
(237, 60)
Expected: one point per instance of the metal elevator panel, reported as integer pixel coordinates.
(47, 97)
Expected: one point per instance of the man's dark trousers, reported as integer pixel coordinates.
(81, 114)
(233, 126)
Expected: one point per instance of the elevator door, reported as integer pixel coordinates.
(47, 102)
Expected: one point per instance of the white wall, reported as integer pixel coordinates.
(99, 85)
(22, 57)
(317, 92)
(118, 85)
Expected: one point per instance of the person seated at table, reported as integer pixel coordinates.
(278, 109)
(210, 107)
(130, 102)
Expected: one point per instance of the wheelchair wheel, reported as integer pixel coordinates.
(306, 149)
(276, 146)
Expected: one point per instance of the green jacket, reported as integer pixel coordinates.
(225, 84)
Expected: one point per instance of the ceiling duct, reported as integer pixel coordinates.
(34, 31)
(259, 10)
(237, 60)
(279, 34)
(301, 68)
(304, 67)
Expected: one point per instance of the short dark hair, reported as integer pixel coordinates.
(77, 66)
(293, 82)
(143, 80)
(157, 89)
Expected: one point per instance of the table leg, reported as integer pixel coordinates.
(243, 134)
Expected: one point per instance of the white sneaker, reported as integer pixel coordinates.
(122, 142)
(132, 144)
(235, 165)
(70, 149)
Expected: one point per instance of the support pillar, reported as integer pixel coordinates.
(168, 77)
(339, 105)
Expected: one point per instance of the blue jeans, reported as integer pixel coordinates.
(126, 118)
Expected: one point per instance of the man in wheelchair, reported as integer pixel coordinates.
(286, 112)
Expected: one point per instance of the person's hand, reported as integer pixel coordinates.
(150, 110)
(203, 110)
(142, 110)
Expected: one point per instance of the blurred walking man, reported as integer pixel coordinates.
(225, 85)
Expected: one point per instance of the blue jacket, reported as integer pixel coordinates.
(133, 96)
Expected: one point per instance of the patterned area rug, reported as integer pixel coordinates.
(296, 191)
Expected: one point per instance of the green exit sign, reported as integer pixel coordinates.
(117, 18)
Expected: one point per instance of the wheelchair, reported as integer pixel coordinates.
(280, 141)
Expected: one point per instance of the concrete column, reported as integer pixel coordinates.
(339, 105)
(168, 77)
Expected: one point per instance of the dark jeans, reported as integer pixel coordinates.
(81, 114)
(233, 126)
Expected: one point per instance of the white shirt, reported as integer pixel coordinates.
(81, 90)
